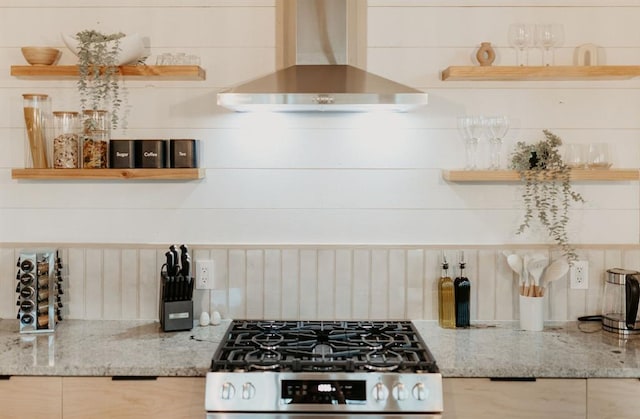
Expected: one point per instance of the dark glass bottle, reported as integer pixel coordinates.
(462, 291)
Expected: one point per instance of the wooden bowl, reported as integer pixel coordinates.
(40, 55)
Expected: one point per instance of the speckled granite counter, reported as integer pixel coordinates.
(107, 348)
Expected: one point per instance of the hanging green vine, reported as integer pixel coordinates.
(547, 192)
(99, 82)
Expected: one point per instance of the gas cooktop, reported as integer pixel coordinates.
(323, 346)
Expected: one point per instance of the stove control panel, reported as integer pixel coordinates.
(339, 392)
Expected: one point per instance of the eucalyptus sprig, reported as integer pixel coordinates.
(547, 191)
(99, 74)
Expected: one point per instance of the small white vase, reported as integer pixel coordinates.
(131, 47)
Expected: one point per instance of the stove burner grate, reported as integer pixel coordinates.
(311, 346)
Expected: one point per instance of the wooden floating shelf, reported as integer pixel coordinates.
(540, 73)
(513, 176)
(163, 72)
(123, 174)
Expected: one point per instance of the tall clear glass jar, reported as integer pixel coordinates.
(66, 140)
(95, 120)
(96, 126)
(95, 149)
(37, 116)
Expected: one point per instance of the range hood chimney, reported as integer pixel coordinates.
(322, 44)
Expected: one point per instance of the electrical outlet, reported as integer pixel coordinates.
(579, 275)
(204, 274)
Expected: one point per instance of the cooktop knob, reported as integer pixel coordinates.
(228, 391)
(248, 391)
(380, 392)
(399, 392)
(420, 392)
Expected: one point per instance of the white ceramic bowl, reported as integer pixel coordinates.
(131, 47)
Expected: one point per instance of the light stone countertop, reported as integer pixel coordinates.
(140, 348)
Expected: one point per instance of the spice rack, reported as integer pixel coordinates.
(611, 175)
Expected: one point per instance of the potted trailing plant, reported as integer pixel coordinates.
(547, 192)
(99, 82)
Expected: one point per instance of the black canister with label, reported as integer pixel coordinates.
(183, 153)
(122, 154)
(150, 154)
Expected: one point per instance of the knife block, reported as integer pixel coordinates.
(176, 305)
(176, 315)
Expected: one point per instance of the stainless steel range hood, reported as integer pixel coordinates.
(322, 48)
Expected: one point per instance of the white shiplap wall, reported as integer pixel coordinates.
(310, 282)
(315, 179)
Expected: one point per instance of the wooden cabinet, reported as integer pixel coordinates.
(31, 397)
(613, 398)
(480, 398)
(135, 398)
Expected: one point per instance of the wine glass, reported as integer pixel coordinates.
(498, 127)
(470, 143)
(520, 38)
(547, 37)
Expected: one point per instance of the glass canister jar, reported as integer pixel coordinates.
(37, 114)
(66, 140)
(95, 120)
(95, 149)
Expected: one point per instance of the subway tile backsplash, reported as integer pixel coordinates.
(308, 282)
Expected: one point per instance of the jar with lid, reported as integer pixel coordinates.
(37, 115)
(95, 150)
(66, 140)
(95, 120)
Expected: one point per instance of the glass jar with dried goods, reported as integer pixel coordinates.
(37, 114)
(66, 140)
(96, 136)
(95, 150)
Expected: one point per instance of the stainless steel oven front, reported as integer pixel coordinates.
(308, 395)
(306, 369)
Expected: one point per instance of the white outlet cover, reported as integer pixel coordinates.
(204, 275)
(579, 275)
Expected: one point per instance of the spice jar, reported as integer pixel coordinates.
(66, 140)
(95, 150)
(37, 113)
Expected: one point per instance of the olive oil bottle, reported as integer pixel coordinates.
(462, 291)
(446, 300)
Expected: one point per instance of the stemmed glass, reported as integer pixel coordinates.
(470, 144)
(498, 127)
(520, 38)
(547, 37)
(471, 129)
